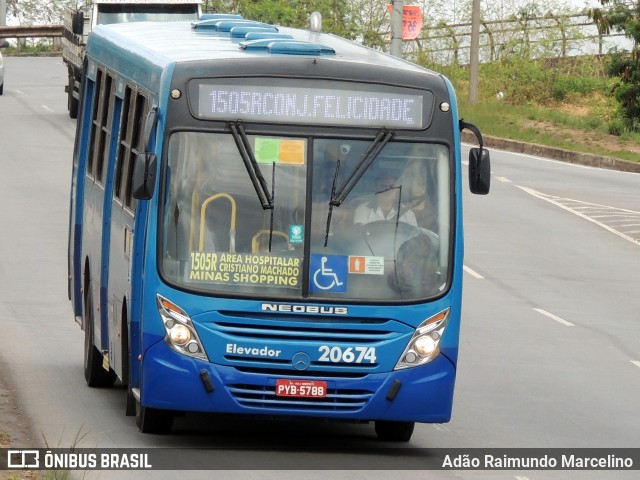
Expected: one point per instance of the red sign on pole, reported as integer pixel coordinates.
(411, 21)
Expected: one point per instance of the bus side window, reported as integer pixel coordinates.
(124, 147)
(134, 112)
(141, 110)
(98, 105)
(101, 125)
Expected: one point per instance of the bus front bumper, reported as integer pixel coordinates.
(175, 382)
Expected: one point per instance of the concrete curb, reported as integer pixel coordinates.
(554, 153)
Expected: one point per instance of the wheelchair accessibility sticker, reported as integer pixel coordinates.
(328, 273)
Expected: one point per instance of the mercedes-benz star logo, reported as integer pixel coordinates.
(301, 361)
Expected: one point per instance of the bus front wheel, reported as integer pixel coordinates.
(94, 373)
(153, 420)
(394, 431)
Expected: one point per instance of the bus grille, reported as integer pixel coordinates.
(342, 400)
(334, 333)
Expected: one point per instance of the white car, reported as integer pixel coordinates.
(1, 74)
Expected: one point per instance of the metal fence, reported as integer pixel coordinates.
(539, 37)
(548, 36)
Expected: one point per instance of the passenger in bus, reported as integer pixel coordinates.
(418, 187)
(384, 204)
(415, 270)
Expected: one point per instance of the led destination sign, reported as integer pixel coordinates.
(321, 106)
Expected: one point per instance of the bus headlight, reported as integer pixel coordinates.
(180, 335)
(424, 345)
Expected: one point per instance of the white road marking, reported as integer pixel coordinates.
(636, 363)
(503, 179)
(554, 317)
(46, 108)
(557, 202)
(439, 426)
(471, 272)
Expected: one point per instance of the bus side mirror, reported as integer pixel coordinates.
(479, 171)
(77, 23)
(144, 176)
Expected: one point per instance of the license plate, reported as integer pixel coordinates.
(301, 388)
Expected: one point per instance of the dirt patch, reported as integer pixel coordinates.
(611, 143)
(15, 428)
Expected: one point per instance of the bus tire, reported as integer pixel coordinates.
(94, 374)
(394, 431)
(130, 406)
(153, 420)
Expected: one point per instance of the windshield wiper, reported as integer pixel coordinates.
(266, 197)
(338, 196)
(248, 158)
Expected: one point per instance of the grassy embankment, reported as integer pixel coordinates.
(566, 104)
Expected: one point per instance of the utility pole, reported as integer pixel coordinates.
(396, 28)
(474, 53)
(3, 20)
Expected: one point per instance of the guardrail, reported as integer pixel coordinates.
(22, 33)
(37, 31)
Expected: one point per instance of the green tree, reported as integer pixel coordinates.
(623, 16)
(291, 13)
(37, 12)
(366, 21)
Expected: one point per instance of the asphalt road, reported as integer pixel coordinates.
(550, 342)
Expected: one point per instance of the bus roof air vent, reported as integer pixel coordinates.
(225, 25)
(257, 44)
(293, 47)
(260, 35)
(285, 46)
(242, 31)
(220, 16)
(211, 24)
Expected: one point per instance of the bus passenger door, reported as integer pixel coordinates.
(110, 332)
(120, 247)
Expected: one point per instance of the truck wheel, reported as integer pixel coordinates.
(72, 103)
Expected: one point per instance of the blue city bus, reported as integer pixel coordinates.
(267, 221)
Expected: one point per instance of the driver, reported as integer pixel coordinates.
(384, 204)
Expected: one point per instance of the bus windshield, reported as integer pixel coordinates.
(145, 12)
(220, 238)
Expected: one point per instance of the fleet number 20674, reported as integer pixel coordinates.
(347, 355)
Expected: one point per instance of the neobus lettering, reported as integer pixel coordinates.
(283, 307)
